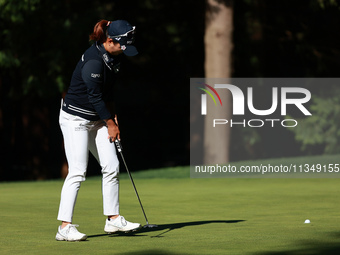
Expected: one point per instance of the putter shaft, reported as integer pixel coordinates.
(119, 148)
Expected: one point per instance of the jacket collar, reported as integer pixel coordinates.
(108, 59)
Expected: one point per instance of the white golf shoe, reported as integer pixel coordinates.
(70, 233)
(120, 224)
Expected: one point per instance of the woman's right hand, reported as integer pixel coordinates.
(113, 130)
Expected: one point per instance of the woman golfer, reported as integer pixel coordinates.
(87, 125)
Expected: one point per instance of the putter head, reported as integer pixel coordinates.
(150, 226)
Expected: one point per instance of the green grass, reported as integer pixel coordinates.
(195, 216)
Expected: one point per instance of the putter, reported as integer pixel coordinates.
(120, 149)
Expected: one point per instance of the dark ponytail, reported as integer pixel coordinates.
(99, 31)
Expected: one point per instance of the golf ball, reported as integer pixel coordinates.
(307, 221)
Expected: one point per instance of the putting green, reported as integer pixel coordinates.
(195, 216)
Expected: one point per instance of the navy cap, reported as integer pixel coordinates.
(121, 31)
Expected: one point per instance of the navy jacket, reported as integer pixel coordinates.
(91, 84)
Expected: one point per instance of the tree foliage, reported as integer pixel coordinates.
(285, 39)
(321, 131)
(42, 40)
(40, 44)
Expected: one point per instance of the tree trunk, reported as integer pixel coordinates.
(218, 49)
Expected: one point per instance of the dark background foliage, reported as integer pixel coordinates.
(42, 40)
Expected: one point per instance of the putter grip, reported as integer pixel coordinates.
(118, 145)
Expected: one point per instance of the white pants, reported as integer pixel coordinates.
(80, 137)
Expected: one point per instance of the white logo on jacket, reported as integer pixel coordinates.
(106, 58)
(96, 75)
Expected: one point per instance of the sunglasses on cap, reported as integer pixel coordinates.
(129, 34)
